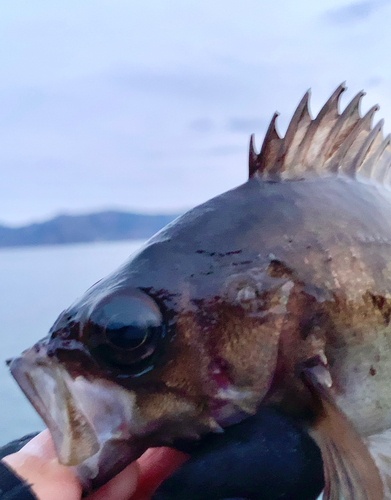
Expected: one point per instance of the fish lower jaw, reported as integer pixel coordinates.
(94, 424)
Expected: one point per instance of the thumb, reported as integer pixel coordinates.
(37, 465)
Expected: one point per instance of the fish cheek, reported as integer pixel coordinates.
(175, 403)
(249, 347)
(168, 416)
(224, 352)
(248, 333)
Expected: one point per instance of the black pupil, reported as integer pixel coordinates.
(127, 337)
(129, 322)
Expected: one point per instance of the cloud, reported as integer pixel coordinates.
(182, 83)
(151, 107)
(224, 150)
(202, 125)
(355, 11)
(374, 81)
(247, 125)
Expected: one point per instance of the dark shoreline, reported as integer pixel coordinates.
(109, 225)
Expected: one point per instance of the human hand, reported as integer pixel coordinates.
(36, 463)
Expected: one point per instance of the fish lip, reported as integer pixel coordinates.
(22, 369)
(92, 423)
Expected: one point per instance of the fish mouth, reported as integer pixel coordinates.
(93, 423)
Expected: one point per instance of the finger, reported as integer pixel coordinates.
(155, 466)
(121, 487)
(40, 446)
(36, 464)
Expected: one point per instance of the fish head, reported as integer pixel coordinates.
(180, 341)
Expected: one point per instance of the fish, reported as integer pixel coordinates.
(275, 294)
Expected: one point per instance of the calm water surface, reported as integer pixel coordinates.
(36, 284)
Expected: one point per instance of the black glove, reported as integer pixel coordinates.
(265, 457)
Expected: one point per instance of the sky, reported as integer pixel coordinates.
(148, 106)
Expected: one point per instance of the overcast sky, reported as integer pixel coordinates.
(148, 106)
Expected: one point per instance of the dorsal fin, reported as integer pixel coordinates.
(332, 143)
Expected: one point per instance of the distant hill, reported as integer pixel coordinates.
(102, 226)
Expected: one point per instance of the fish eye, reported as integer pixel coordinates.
(126, 328)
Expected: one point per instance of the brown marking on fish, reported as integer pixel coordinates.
(384, 306)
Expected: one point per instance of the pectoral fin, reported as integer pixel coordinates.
(350, 471)
(379, 446)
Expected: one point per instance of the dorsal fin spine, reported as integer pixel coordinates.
(344, 125)
(381, 168)
(386, 155)
(301, 110)
(266, 153)
(332, 142)
(253, 157)
(332, 104)
(364, 151)
(369, 146)
(323, 125)
(348, 163)
(295, 134)
(370, 163)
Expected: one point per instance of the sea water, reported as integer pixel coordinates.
(36, 284)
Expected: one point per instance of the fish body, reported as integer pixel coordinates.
(276, 293)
